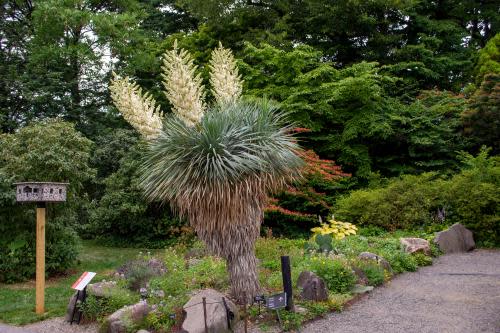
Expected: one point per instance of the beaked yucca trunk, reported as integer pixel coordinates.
(230, 230)
(243, 276)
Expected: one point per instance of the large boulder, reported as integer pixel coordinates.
(413, 245)
(123, 320)
(217, 316)
(457, 238)
(303, 277)
(376, 258)
(313, 287)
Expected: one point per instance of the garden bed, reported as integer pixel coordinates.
(189, 269)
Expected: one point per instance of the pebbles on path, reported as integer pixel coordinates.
(460, 293)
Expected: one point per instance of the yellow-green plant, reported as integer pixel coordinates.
(337, 229)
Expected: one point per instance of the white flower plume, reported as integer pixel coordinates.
(138, 109)
(224, 78)
(182, 86)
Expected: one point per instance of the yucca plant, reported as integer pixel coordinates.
(214, 165)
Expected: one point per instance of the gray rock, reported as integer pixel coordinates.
(142, 331)
(380, 260)
(360, 289)
(303, 277)
(216, 313)
(122, 320)
(101, 289)
(313, 287)
(455, 239)
(413, 245)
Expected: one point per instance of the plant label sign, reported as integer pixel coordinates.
(83, 280)
(277, 301)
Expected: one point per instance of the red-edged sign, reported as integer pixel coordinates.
(83, 280)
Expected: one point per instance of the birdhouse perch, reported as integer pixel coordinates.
(41, 193)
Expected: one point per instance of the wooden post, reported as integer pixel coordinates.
(40, 258)
(287, 282)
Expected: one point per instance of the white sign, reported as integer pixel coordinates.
(83, 280)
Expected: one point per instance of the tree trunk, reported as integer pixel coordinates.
(229, 225)
(243, 276)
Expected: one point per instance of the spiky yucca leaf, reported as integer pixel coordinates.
(183, 86)
(224, 78)
(138, 109)
(231, 144)
(218, 174)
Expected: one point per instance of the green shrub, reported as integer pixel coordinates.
(337, 274)
(123, 217)
(473, 197)
(291, 320)
(422, 260)
(45, 151)
(210, 272)
(401, 262)
(470, 197)
(403, 204)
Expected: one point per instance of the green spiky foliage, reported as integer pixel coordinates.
(218, 174)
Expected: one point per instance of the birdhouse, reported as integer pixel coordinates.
(41, 192)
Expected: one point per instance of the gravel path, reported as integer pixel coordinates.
(460, 293)
(60, 325)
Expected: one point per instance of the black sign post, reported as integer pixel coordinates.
(81, 295)
(286, 273)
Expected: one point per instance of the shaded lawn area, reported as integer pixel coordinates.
(17, 301)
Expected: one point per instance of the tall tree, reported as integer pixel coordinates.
(15, 32)
(73, 46)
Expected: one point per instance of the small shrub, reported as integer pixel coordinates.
(160, 320)
(371, 230)
(337, 274)
(209, 273)
(401, 262)
(138, 272)
(336, 301)
(97, 308)
(291, 320)
(422, 260)
(374, 273)
(316, 309)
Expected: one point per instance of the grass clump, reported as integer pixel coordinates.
(337, 274)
